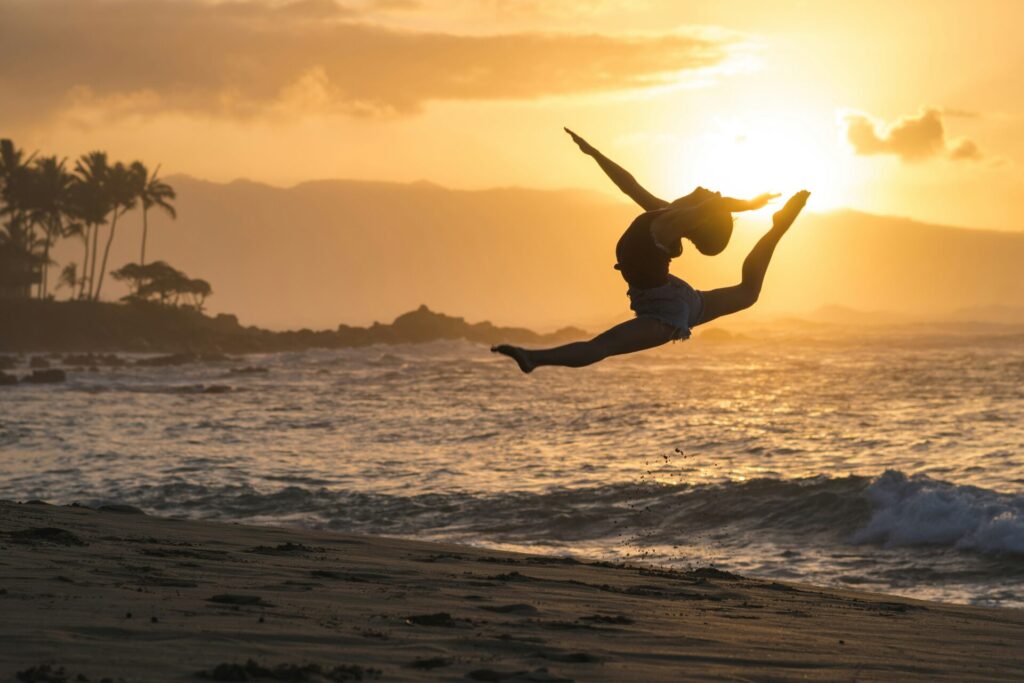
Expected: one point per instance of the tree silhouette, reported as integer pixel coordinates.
(121, 197)
(152, 192)
(41, 202)
(164, 283)
(15, 177)
(19, 265)
(51, 205)
(93, 204)
(68, 277)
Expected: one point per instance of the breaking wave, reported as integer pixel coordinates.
(891, 510)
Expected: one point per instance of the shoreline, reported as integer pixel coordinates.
(118, 594)
(83, 328)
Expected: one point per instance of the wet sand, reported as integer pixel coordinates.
(88, 595)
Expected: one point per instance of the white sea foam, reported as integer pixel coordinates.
(917, 510)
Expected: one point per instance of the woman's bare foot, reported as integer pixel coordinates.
(784, 217)
(515, 353)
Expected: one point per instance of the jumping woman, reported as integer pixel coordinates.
(665, 306)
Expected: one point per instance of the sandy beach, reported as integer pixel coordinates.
(118, 595)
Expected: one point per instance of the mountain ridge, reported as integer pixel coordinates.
(356, 250)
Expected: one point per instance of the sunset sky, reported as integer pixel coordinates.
(905, 108)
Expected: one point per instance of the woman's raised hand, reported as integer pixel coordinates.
(584, 146)
(762, 199)
(784, 217)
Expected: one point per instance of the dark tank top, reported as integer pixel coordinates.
(643, 264)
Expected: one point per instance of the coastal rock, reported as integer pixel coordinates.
(38, 362)
(425, 325)
(226, 321)
(87, 331)
(7, 380)
(45, 377)
(8, 362)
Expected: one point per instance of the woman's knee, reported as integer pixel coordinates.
(595, 351)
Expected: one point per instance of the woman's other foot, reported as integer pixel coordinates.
(515, 353)
(784, 217)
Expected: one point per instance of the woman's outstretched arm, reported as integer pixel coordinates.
(737, 205)
(727, 300)
(622, 178)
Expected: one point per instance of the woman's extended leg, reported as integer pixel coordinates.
(728, 300)
(634, 335)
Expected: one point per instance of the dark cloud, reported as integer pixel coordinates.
(911, 138)
(964, 149)
(248, 58)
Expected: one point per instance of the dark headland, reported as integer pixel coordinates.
(95, 327)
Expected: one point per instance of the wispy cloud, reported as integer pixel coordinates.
(911, 138)
(244, 59)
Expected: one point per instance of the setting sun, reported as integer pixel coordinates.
(755, 152)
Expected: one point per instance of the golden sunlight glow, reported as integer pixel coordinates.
(742, 156)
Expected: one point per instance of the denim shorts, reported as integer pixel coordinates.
(674, 303)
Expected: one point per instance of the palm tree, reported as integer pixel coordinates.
(153, 192)
(11, 169)
(41, 202)
(77, 228)
(15, 179)
(93, 204)
(21, 265)
(68, 277)
(87, 211)
(121, 193)
(52, 207)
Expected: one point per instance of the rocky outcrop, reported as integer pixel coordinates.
(91, 330)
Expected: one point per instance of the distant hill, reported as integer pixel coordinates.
(77, 326)
(327, 252)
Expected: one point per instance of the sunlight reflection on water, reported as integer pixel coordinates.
(444, 440)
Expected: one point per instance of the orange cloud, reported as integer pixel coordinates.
(247, 58)
(964, 149)
(911, 138)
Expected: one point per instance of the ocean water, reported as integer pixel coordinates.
(893, 464)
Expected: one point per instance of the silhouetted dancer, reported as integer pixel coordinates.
(665, 306)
